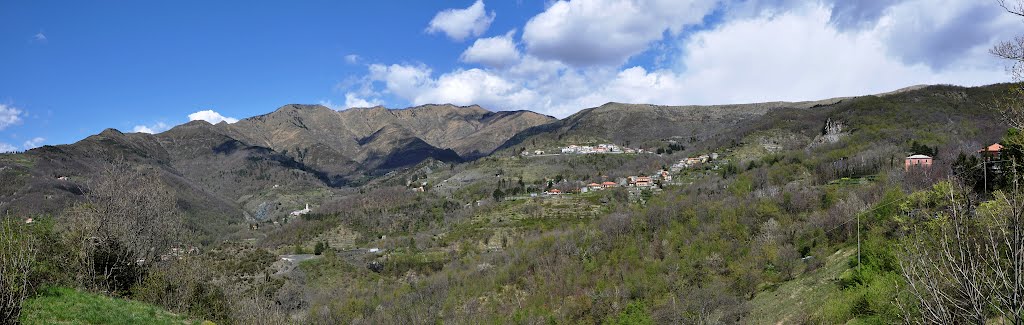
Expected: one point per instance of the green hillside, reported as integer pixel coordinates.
(763, 233)
(69, 306)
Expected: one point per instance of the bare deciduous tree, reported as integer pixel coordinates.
(1012, 50)
(940, 263)
(129, 219)
(256, 309)
(966, 265)
(17, 255)
(1012, 106)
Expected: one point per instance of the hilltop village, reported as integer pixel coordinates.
(604, 148)
(636, 184)
(751, 215)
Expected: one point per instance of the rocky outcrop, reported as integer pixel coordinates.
(832, 132)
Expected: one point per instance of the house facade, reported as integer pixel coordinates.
(644, 181)
(991, 152)
(917, 161)
(666, 176)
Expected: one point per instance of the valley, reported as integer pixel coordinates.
(614, 162)
(440, 213)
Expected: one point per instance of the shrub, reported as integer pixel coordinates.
(17, 255)
(635, 314)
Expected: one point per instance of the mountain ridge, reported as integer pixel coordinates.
(231, 169)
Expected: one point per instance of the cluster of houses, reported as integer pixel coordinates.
(662, 176)
(553, 191)
(601, 148)
(598, 187)
(691, 162)
(638, 182)
(582, 150)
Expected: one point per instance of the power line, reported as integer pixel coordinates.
(857, 218)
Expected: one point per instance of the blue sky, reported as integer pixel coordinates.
(72, 68)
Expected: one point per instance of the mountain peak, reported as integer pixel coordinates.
(197, 123)
(193, 124)
(111, 132)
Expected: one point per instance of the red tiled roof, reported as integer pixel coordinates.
(995, 147)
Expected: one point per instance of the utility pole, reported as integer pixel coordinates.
(984, 168)
(858, 242)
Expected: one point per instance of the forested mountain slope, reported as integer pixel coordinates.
(435, 236)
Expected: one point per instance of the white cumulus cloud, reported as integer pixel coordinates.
(823, 62)
(588, 32)
(941, 32)
(801, 51)
(353, 100)
(402, 80)
(460, 87)
(475, 86)
(33, 143)
(211, 116)
(5, 148)
(459, 24)
(330, 104)
(9, 116)
(498, 51)
(152, 129)
(352, 58)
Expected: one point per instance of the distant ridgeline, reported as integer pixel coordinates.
(623, 213)
(300, 153)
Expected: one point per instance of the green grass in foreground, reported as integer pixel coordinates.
(69, 306)
(804, 295)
